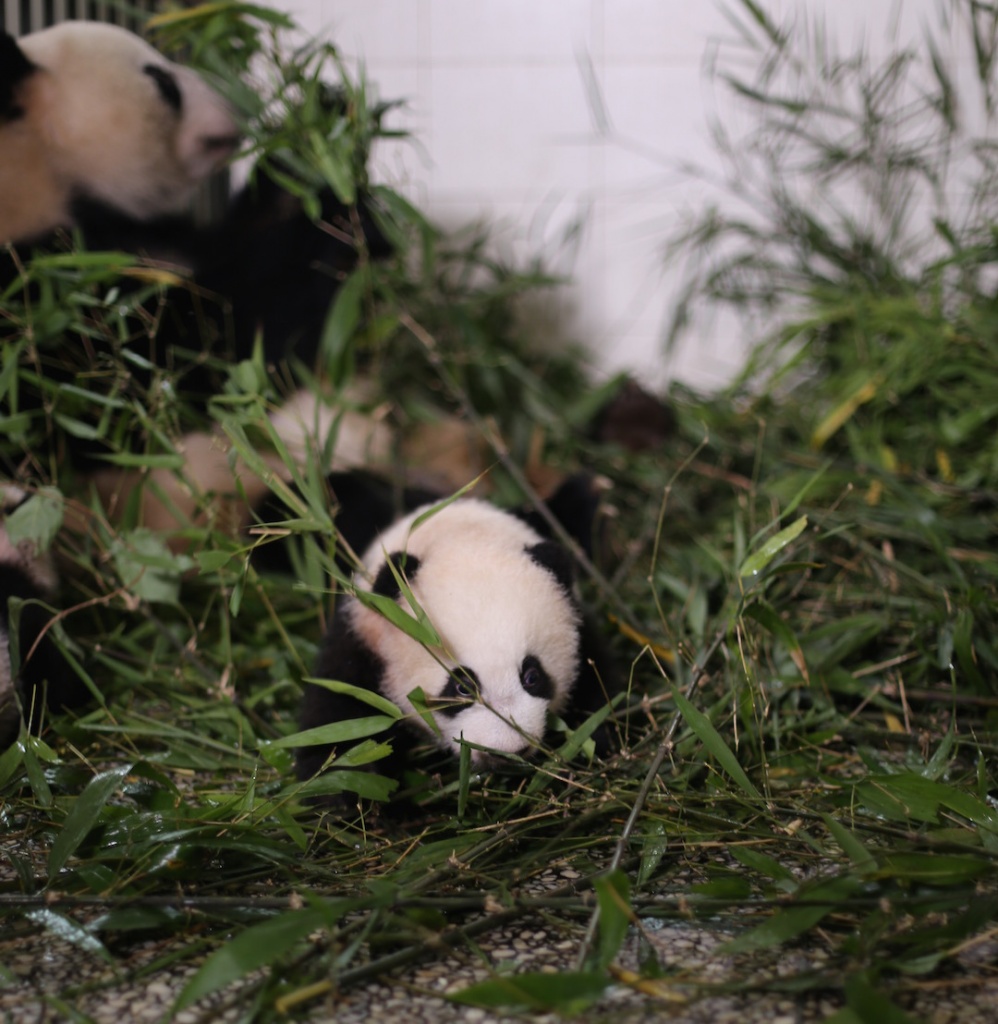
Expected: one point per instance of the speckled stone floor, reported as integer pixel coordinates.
(38, 968)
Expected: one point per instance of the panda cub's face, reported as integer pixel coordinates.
(499, 597)
(92, 111)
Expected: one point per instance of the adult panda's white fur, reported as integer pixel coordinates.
(513, 648)
(91, 111)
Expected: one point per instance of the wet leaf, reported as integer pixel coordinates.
(83, 816)
(259, 946)
(615, 916)
(762, 556)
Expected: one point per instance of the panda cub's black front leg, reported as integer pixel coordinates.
(343, 658)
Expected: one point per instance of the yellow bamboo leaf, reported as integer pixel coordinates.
(182, 14)
(154, 275)
(665, 653)
(945, 466)
(843, 412)
(888, 458)
(657, 988)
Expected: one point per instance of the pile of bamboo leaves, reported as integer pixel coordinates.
(798, 589)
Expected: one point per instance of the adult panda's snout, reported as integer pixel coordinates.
(208, 133)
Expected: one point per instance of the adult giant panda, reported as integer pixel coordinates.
(96, 125)
(511, 644)
(101, 134)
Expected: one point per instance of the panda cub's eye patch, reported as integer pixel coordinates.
(167, 85)
(462, 689)
(534, 679)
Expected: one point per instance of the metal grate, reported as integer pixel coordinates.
(18, 17)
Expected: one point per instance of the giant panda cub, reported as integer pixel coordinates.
(512, 644)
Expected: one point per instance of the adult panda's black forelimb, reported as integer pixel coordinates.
(280, 268)
(34, 674)
(266, 270)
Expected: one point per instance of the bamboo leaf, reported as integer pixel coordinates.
(83, 816)
(759, 559)
(834, 421)
(259, 946)
(335, 780)
(335, 732)
(823, 898)
(361, 693)
(341, 323)
(767, 617)
(766, 865)
(37, 520)
(398, 616)
(568, 993)
(851, 846)
(613, 893)
(933, 868)
(653, 849)
(714, 744)
(871, 1005)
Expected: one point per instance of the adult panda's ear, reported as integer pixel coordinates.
(14, 68)
(557, 560)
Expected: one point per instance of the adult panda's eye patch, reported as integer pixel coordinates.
(167, 85)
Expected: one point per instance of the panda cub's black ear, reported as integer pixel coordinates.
(14, 68)
(386, 583)
(557, 560)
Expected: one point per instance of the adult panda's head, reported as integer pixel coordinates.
(500, 598)
(91, 113)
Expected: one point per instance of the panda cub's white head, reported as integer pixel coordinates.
(500, 598)
(91, 111)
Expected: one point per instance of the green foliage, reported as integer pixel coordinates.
(806, 638)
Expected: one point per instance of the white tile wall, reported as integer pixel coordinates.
(543, 114)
